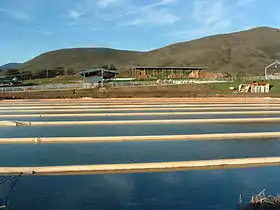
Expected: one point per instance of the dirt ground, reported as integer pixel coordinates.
(181, 91)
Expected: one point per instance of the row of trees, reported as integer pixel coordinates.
(26, 75)
(46, 73)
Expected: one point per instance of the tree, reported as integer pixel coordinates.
(28, 75)
(12, 73)
(70, 71)
(40, 74)
(1, 72)
(104, 66)
(109, 67)
(240, 76)
(112, 67)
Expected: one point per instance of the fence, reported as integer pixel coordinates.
(163, 82)
(258, 78)
(120, 84)
(51, 87)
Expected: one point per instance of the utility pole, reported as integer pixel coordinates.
(102, 78)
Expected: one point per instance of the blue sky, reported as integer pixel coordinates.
(31, 27)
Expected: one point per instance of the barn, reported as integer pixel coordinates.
(166, 72)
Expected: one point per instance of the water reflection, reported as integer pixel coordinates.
(200, 190)
(136, 130)
(134, 152)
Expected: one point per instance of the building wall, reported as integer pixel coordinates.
(140, 74)
(160, 74)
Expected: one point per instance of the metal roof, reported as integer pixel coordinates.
(98, 70)
(4, 80)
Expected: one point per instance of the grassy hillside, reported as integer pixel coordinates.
(10, 66)
(81, 59)
(246, 52)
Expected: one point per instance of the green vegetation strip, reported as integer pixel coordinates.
(141, 114)
(145, 100)
(142, 109)
(134, 106)
(142, 167)
(190, 137)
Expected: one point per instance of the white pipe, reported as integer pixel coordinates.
(142, 167)
(109, 139)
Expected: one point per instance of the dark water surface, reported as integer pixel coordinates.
(191, 190)
(135, 152)
(136, 129)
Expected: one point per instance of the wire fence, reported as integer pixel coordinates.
(162, 82)
(258, 78)
(120, 84)
(49, 87)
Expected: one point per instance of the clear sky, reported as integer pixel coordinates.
(31, 27)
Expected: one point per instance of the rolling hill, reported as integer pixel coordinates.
(246, 52)
(82, 58)
(11, 66)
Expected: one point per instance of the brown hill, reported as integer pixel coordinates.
(249, 51)
(81, 59)
(242, 52)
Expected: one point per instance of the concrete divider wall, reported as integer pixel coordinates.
(190, 137)
(141, 167)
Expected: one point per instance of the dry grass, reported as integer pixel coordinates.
(177, 91)
(246, 52)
